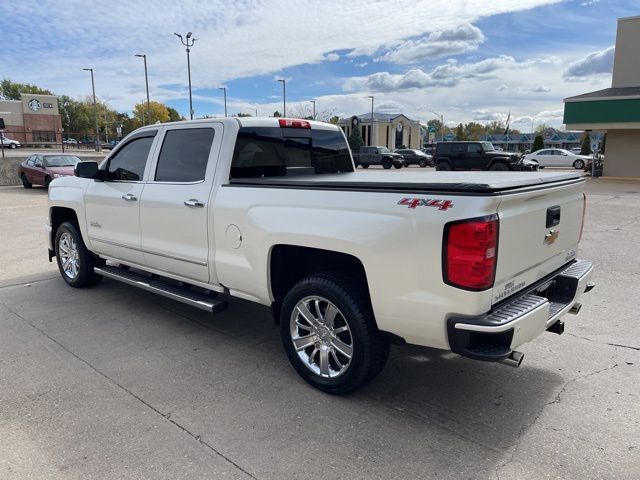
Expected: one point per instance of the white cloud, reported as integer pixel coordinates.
(501, 88)
(448, 74)
(460, 39)
(594, 64)
(484, 115)
(539, 89)
(332, 57)
(361, 64)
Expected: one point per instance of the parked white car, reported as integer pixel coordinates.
(272, 211)
(7, 142)
(557, 157)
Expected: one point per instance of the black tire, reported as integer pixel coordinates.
(47, 181)
(397, 166)
(364, 166)
(25, 183)
(423, 164)
(444, 167)
(386, 164)
(370, 349)
(13, 145)
(85, 276)
(578, 164)
(499, 167)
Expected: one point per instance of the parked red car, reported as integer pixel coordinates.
(40, 169)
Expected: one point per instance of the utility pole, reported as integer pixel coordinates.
(284, 96)
(441, 124)
(371, 134)
(95, 107)
(188, 43)
(314, 108)
(225, 99)
(146, 81)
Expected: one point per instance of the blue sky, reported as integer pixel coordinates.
(467, 60)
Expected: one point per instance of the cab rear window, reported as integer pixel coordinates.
(271, 152)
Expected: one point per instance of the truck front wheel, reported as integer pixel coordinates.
(386, 164)
(330, 335)
(75, 262)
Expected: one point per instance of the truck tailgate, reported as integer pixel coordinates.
(539, 233)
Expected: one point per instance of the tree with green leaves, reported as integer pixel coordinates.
(174, 115)
(159, 113)
(12, 90)
(585, 144)
(459, 133)
(277, 114)
(538, 143)
(355, 140)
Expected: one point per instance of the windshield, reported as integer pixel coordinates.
(487, 146)
(61, 160)
(383, 150)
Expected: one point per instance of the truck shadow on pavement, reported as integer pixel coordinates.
(225, 379)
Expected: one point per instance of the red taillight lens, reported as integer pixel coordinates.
(584, 211)
(470, 253)
(292, 123)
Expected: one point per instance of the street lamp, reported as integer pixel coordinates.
(284, 96)
(314, 108)
(371, 134)
(95, 106)
(188, 43)
(146, 80)
(441, 124)
(225, 99)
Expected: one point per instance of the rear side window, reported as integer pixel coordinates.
(184, 155)
(272, 151)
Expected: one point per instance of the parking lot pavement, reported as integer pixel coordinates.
(112, 382)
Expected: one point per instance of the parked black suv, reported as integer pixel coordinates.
(378, 156)
(475, 156)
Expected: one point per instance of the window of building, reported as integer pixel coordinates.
(268, 151)
(184, 155)
(44, 137)
(387, 143)
(129, 161)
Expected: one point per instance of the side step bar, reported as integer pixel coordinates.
(201, 300)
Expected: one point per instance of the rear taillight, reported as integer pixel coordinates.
(293, 123)
(470, 251)
(584, 211)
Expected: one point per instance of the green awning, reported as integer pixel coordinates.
(602, 111)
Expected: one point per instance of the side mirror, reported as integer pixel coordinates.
(86, 170)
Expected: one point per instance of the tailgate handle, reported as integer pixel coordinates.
(553, 216)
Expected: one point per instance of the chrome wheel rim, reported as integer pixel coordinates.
(321, 337)
(69, 256)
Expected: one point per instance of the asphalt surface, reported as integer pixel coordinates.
(116, 383)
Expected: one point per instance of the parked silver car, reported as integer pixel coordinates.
(557, 157)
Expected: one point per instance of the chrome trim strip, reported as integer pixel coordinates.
(171, 257)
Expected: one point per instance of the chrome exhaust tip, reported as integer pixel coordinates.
(514, 359)
(575, 309)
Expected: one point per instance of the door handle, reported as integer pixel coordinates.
(192, 202)
(129, 197)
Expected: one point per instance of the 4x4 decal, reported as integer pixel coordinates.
(426, 202)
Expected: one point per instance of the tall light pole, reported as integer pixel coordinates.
(371, 134)
(284, 96)
(146, 81)
(95, 106)
(225, 99)
(188, 43)
(314, 108)
(441, 124)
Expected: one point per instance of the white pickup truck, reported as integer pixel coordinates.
(272, 211)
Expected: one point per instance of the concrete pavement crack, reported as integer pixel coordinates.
(167, 417)
(556, 400)
(603, 343)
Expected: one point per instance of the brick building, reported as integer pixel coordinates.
(32, 119)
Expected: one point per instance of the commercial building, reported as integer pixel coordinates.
(32, 119)
(388, 130)
(615, 110)
(551, 137)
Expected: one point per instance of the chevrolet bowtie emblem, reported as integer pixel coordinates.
(551, 237)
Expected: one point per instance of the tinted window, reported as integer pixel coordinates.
(129, 162)
(459, 148)
(272, 151)
(30, 161)
(443, 148)
(474, 148)
(184, 155)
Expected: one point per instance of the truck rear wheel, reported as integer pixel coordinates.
(444, 167)
(364, 166)
(499, 167)
(75, 262)
(386, 164)
(330, 335)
